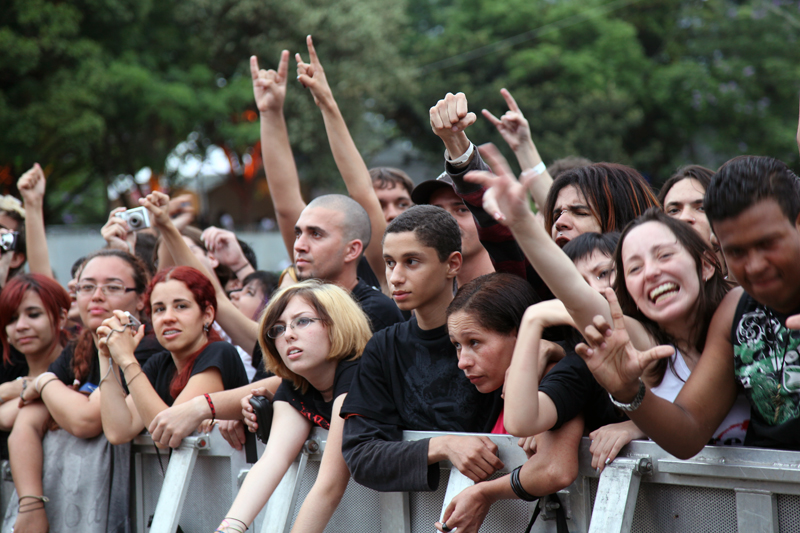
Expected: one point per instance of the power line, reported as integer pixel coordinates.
(522, 37)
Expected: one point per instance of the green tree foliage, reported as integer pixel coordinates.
(652, 84)
(96, 88)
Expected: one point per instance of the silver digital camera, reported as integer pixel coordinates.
(137, 218)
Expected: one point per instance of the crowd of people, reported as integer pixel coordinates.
(570, 301)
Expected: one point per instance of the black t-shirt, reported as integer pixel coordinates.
(311, 404)
(16, 367)
(574, 390)
(221, 355)
(767, 365)
(62, 367)
(379, 308)
(408, 378)
(365, 272)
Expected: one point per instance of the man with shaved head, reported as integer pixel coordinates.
(330, 237)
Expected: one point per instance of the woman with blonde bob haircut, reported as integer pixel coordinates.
(311, 334)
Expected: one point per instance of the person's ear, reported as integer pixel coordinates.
(707, 269)
(353, 250)
(454, 264)
(17, 260)
(208, 315)
(140, 303)
(212, 260)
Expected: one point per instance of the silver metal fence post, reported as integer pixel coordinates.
(176, 484)
(616, 495)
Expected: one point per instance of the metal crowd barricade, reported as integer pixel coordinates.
(645, 490)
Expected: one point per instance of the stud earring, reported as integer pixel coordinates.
(206, 327)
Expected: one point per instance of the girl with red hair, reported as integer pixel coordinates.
(33, 309)
(182, 304)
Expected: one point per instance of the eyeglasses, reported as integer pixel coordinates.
(301, 322)
(110, 289)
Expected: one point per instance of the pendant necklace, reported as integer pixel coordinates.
(777, 399)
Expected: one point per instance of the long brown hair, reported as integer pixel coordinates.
(711, 292)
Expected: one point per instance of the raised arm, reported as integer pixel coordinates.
(514, 128)
(242, 330)
(348, 160)
(32, 187)
(269, 90)
(506, 199)
(682, 428)
(225, 247)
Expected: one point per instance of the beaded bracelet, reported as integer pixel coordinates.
(214, 417)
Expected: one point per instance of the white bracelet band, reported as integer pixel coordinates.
(538, 169)
(36, 381)
(462, 159)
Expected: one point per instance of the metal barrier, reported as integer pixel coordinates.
(644, 490)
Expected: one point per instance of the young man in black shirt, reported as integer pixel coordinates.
(408, 377)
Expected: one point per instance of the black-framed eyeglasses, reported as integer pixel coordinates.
(301, 322)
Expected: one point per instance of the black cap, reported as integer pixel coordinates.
(422, 193)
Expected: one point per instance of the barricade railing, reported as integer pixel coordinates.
(644, 490)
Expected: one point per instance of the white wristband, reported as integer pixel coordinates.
(462, 159)
(538, 169)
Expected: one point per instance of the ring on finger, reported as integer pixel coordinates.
(444, 527)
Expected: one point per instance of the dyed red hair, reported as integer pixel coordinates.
(55, 299)
(204, 295)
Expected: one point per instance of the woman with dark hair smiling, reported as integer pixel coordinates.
(668, 281)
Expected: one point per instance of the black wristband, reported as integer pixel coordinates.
(519, 490)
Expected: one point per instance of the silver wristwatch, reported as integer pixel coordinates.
(635, 403)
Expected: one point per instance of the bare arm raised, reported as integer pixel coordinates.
(32, 187)
(269, 90)
(506, 200)
(348, 160)
(514, 128)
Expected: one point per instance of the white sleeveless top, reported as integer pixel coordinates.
(732, 430)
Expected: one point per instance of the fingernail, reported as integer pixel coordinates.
(608, 460)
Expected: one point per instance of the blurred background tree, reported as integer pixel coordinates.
(95, 89)
(655, 84)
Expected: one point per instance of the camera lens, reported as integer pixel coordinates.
(135, 221)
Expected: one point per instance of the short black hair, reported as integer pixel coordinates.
(585, 244)
(249, 254)
(432, 226)
(746, 180)
(267, 280)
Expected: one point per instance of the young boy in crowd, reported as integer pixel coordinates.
(408, 377)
